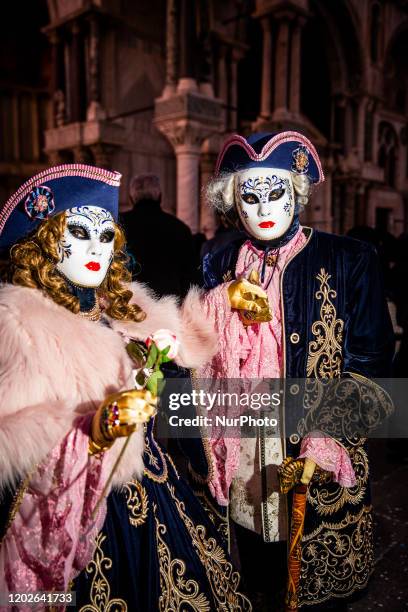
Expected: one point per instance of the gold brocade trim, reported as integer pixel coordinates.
(329, 499)
(136, 501)
(325, 352)
(172, 465)
(222, 578)
(336, 564)
(176, 590)
(100, 589)
(155, 463)
(195, 475)
(220, 522)
(349, 519)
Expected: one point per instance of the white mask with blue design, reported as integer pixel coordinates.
(265, 201)
(86, 249)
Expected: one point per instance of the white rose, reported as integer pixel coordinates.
(162, 339)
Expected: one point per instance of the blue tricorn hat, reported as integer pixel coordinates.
(287, 150)
(53, 191)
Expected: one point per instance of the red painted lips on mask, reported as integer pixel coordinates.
(94, 266)
(266, 224)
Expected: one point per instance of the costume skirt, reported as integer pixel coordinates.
(158, 551)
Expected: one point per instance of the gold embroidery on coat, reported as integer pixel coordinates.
(100, 589)
(137, 502)
(195, 476)
(172, 465)
(176, 590)
(153, 461)
(220, 521)
(325, 354)
(337, 562)
(222, 578)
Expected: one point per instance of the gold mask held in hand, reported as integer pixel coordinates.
(250, 300)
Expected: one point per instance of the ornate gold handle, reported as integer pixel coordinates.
(290, 472)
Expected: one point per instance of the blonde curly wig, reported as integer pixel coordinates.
(33, 260)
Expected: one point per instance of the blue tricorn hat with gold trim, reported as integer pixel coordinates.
(53, 191)
(287, 150)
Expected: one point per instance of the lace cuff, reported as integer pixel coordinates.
(330, 456)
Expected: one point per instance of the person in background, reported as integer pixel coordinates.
(165, 264)
(224, 234)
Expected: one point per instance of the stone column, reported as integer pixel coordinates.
(266, 97)
(187, 66)
(186, 120)
(208, 223)
(55, 77)
(14, 120)
(171, 49)
(295, 65)
(223, 83)
(74, 76)
(361, 127)
(281, 66)
(188, 155)
(236, 56)
(94, 110)
(348, 126)
(35, 127)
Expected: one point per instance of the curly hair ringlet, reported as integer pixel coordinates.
(32, 263)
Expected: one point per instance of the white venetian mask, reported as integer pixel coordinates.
(265, 201)
(86, 249)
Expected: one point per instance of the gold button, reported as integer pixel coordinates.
(294, 438)
(294, 338)
(294, 389)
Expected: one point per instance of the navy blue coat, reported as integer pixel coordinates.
(336, 321)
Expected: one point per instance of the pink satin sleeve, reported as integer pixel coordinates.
(51, 537)
(330, 456)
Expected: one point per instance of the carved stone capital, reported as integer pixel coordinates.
(187, 119)
(184, 135)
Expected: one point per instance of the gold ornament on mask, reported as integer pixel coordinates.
(250, 300)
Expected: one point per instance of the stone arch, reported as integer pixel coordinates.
(395, 84)
(332, 66)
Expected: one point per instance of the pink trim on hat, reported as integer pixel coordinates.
(98, 174)
(269, 147)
